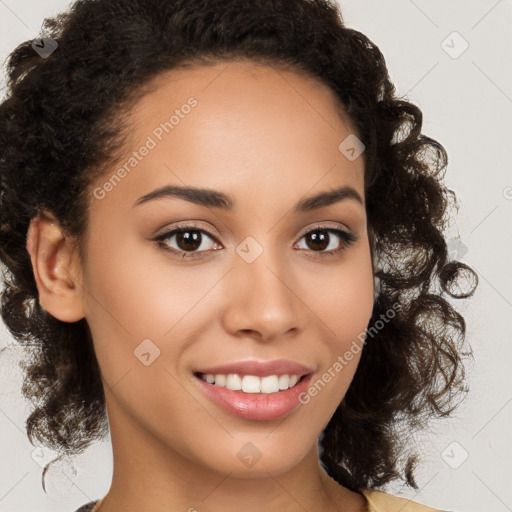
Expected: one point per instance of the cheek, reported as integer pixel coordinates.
(349, 301)
(340, 357)
(342, 297)
(133, 288)
(351, 305)
(343, 303)
(136, 309)
(127, 302)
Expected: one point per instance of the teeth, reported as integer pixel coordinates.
(234, 382)
(251, 383)
(220, 380)
(284, 382)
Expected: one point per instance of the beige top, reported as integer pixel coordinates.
(383, 502)
(378, 501)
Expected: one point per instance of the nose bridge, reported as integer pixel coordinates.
(262, 298)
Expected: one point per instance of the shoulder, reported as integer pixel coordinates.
(383, 502)
(88, 507)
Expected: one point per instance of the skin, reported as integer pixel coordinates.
(269, 138)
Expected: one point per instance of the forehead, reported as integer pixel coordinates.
(239, 85)
(240, 127)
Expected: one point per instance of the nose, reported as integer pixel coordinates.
(264, 301)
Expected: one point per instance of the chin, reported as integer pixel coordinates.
(249, 462)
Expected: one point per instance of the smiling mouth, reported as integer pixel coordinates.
(251, 383)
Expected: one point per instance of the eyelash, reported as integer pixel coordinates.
(347, 238)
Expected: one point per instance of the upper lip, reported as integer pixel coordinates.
(259, 368)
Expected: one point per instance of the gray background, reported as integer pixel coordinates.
(466, 98)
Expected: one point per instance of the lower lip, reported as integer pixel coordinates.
(256, 406)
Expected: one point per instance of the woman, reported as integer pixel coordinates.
(223, 236)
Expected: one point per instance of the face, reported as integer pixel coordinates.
(256, 273)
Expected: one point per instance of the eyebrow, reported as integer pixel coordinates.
(217, 199)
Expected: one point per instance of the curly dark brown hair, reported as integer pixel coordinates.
(64, 119)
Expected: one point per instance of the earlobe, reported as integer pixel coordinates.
(56, 269)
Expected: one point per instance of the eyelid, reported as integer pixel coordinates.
(208, 228)
(323, 225)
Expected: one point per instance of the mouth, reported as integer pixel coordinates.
(252, 397)
(252, 384)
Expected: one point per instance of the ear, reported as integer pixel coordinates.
(56, 268)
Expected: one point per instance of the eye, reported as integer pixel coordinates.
(326, 240)
(189, 241)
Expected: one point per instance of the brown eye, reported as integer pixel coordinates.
(318, 240)
(186, 241)
(328, 241)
